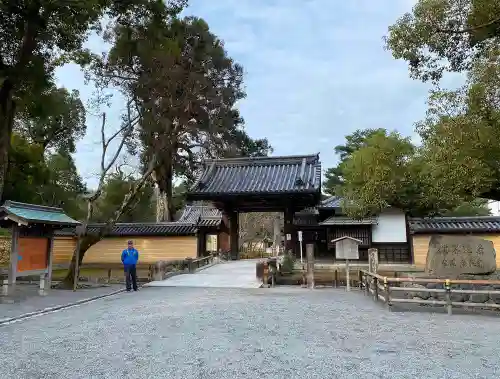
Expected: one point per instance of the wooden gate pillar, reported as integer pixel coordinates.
(289, 231)
(233, 234)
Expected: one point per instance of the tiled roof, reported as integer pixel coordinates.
(201, 214)
(31, 213)
(293, 174)
(192, 217)
(478, 224)
(331, 202)
(148, 229)
(340, 220)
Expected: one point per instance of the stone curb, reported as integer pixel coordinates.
(56, 308)
(205, 267)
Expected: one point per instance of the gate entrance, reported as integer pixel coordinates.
(285, 184)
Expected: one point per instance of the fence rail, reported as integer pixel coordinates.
(383, 288)
(107, 272)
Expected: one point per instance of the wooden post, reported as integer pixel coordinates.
(387, 293)
(5, 287)
(310, 265)
(448, 295)
(304, 280)
(41, 290)
(76, 274)
(265, 273)
(233, 234)
(14, 257)
(360, 280)
(375, 289)
(50, 259)
(336, 278)
(109, 274)
(347, 276)
(367, 284)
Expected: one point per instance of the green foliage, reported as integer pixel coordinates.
(461, 134)
(288, 263)
(444, 35)
(185, 88)
(114, 191)
(476, 207)
(65, 186)
(385, 172)
(53, 181)
(54, 119)
(354, 142)
(27, 172)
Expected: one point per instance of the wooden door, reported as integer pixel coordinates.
(32, 254)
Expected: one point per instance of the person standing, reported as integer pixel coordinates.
(130, 256)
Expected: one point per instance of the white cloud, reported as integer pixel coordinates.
(315, 70)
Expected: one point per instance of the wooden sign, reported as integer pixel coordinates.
(310, 265)
(373, 260)
(346, 248)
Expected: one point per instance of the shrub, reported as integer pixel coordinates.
(288, 263)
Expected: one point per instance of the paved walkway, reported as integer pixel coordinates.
(235, 274)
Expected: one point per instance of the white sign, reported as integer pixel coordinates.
(300, 235)
(288, 237)
(346, 248)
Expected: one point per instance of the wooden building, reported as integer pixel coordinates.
(388, 231)
(31, 251)
(260, 184)
(421, 229)
(199, 230)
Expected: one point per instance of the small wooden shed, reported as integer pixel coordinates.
(32, 229)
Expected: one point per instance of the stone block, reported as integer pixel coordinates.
(452, 256)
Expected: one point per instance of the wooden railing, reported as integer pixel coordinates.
(383, 288)
(195, 264)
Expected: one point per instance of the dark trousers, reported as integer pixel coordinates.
(131, 277)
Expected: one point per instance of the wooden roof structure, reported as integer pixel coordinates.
(260, 183)
(24, 214)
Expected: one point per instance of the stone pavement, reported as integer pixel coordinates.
(232, 274)
(27, 299)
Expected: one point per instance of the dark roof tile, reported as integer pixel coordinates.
(294, 174)
(147, 229)
(201, 214)
(331, 202)
(341, 220)
(479, 224)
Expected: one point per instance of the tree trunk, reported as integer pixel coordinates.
(7, 109)
(165, 206)
(129, 202)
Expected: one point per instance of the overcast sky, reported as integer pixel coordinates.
(315, 70)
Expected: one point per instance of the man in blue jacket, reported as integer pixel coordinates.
(130, 256)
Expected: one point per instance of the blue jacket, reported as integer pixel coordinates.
(130, 257)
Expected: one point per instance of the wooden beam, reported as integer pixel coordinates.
(14, 256)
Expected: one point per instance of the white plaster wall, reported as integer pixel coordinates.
(391, 227)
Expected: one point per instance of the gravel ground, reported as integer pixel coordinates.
(27, 299)
(248, 333)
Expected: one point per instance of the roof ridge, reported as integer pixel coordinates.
(45, 208)
(310, 159)
(455, 218)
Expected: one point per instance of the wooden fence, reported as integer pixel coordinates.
(113, 273)
(383, 289)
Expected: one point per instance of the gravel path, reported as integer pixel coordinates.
(248, 333)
